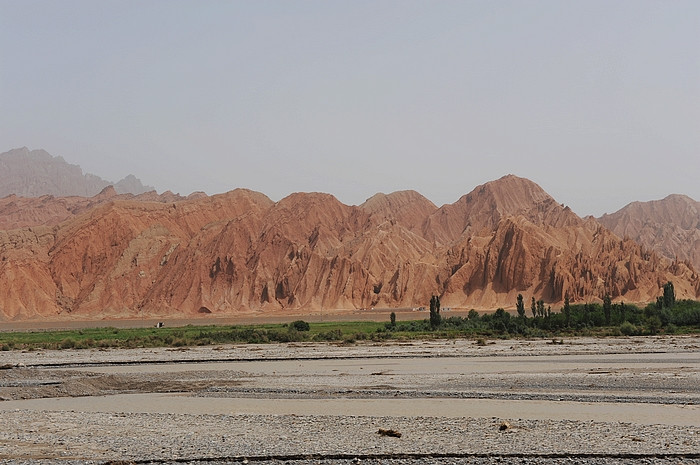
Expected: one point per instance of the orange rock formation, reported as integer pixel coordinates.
(125, 257)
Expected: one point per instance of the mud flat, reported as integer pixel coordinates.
(608, 401)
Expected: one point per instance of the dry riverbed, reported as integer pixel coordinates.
(612, 400)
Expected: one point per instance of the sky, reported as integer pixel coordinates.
(596, 101)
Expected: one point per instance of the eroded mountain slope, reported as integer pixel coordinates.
(241, 252)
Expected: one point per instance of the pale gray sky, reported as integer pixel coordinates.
(596, 101)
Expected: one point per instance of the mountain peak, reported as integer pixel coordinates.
(511, 195)
(131, 185)
(485, 206)
(106, 193)
(407, 207)
(395, 199)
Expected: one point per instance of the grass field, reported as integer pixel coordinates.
(186, 335)
(301, 331)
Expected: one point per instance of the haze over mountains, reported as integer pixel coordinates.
(125, 256)
(35, 173)
(670, 226)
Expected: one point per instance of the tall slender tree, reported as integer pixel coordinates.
(623, 317)
(520, 306)
(435, 312)
(669, 295)
(540, 308)
(607, 308)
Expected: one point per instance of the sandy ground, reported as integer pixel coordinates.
(595, 400)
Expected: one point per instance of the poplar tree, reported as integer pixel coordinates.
(434, 312)
(607, 308)
(669, 295)
(540, 308)
(520, 305)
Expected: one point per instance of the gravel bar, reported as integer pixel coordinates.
(360, 350)
(660, 371)
(98, 436)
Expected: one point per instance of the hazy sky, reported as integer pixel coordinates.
(596, 101)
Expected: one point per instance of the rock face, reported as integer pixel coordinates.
(670, 226)
(116, 257)
(35, 173)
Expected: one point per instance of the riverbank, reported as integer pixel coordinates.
(608, 401)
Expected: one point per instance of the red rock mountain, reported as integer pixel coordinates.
(47, 210)
(241, 252)
(670, 226)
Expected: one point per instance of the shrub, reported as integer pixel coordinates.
(628, 329)
(332, 335)
(654, 324)
(300, 325)
(67, 343)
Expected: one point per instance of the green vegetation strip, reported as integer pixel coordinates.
(681, 317)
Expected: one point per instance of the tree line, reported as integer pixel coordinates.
(617, 318)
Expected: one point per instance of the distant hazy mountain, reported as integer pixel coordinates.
(35, 173)
(670, 226)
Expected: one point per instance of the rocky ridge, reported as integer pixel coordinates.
(125, 257)
(47, 210)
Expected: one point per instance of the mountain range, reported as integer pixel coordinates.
(161, 255)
